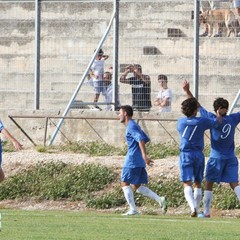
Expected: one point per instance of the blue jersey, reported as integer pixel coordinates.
(192, 130)
(1, 126)
(222, 137)
(134, 135)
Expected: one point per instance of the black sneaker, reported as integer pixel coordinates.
(205, 34)
(97, 107)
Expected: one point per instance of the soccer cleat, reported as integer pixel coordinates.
(130, 212)
(194, 214)
(202, 215)
(163, 204)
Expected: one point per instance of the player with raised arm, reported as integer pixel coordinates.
(192, 162)
(222, 165)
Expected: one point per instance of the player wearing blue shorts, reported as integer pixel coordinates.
(222, 165)
(16, 144)
(134, 168)
(191, 130)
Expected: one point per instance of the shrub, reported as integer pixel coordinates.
(57, 181)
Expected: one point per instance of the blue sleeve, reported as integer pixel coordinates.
(205, 113)
(211, 123)
(138, 134)
(235, 117)
(1, 126)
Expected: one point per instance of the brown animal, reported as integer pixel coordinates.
(217, 17)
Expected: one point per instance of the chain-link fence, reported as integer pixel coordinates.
(158, 35)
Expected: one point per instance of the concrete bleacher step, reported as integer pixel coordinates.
(69, 38)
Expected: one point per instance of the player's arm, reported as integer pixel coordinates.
(7, 134)
(186, 88)
(144, 153)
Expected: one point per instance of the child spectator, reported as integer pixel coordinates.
(98, 70)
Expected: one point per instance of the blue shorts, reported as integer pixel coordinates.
(134, 175)
(222, 170)
(191, 166)
(98, 86)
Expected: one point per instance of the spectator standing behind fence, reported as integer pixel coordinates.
(15, 143)
(192, 161)
(164, 97)
(108, 91)
(97, 74)
(208, 5)
(134, 168)
(141, 87)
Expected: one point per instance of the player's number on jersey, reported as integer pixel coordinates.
(189, 132)
(226, 131)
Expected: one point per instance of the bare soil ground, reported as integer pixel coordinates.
(17, 161)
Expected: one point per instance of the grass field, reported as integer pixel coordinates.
(57, 225)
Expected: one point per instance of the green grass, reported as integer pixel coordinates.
(57, 225)
(155, 151)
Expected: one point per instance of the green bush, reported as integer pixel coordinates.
(224, 197)
(98, 186)
(57, 181)
(107, 200)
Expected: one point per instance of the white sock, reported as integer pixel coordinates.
(197, 195)
(149, 193)
(237, 191)
(128, 194)
(188, 193)
(207, 199)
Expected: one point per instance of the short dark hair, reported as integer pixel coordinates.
(220, 103)
(138, 66)
(189, 106)
(128, 109)
(100, 52)
(162, 77)
(109, 74)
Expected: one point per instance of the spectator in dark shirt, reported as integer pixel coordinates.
(141, 87)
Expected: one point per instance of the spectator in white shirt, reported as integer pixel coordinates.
(164, 97)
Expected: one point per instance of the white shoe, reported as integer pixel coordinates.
(130, 212)
(163, 204)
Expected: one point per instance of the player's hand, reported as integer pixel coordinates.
(149, 162)
(17, 145)
(186, 85)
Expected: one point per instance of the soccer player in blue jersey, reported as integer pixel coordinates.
(191, 130)
(134, 168)
(16, 144)
(222, 165)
